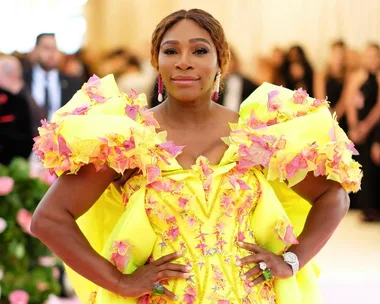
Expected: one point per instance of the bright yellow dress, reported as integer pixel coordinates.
(280, 137)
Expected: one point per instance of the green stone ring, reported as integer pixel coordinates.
(158, 290)
(267, 274)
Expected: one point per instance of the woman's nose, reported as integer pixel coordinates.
(184, 63)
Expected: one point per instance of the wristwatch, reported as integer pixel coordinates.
(292, 259)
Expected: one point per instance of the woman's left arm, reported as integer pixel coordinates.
(330, 203)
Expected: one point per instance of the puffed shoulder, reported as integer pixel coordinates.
(291, 134)
(104, 127)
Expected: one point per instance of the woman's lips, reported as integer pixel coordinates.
(184, 80)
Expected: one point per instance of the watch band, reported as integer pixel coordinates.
(291, 259)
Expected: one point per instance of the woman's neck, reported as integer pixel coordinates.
(190, 113)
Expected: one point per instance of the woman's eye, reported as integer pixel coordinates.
(201, 51)
(170, 51)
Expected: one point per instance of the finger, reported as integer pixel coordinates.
(170, 295)
(167, 258)
(170, 274)
(251, 247)
(251, 259)
(174, 267)
(252, 272)
(257, 281)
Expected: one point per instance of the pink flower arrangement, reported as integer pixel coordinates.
(19, 297)
(24, 219)
(3, 225)
(47, 261)
(6, 185)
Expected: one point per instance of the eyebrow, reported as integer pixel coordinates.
(191, 41)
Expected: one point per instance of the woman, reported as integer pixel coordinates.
(363, 112)
(202, 222)
(330, 82)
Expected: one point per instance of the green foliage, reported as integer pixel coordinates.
(20, 251)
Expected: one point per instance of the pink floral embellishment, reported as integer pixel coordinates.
(133, 94)
(173, 233)
(63, 149)
(3, 225)
(254, 123)
(202, 247)
(183, 202)
(238, 184)
(153, 172)
(241, 236)
(318, 102)
(121, 254)
(171, 220)
(6, 185)
(80, 110)
(190, 295)
(149, 120)
(129, 144)
(92, 88)
(171, 148)
(299, 96)
(131, 111)
(24, 219)
(351, 146)
(290, 238)
(297, 163)
(41, 286)
(18, 297)
(273, 103)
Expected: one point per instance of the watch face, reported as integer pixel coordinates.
(291, 258)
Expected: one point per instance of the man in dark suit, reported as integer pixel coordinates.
(49, 88)
(15, 119)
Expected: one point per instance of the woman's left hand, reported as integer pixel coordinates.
(275, 263)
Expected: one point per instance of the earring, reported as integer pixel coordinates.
(160, 88)
(215, 95)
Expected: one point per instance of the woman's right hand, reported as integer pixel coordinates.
(143, 279)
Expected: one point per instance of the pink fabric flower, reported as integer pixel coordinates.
(3, 225)
(153, 172)
(182, 202)
(133, 94)
(149, 119)
(173, 233)
(80, 110)
(273, 103)
(62, 146)
(129, 144)
(299, 96)
(47, 261)
(24, 219)
(171, 148)
(120, 261)
(254, 122)
(318, 102)
(132, 111)
(297, 163)
(92, 88)
(290, 238)
(6, 185)
(190, 295)
(18, 297)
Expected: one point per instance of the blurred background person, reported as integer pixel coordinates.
(15, 121)
(74, 65)
(236, 87)
(297, 70)
(330, 82)
(363, 114)
(277, 60)
(49, 87)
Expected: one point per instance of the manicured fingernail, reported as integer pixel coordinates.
(179, 253)
(238, 263)
(189, 268)
(175, 298)
(251, 284)
(186, 275)
(243, 277)
(240, 243)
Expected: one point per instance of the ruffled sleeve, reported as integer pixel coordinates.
(291, 134)
(104, 127)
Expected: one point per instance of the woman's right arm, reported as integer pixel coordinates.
(54, 223)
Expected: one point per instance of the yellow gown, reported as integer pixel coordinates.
(280, 137)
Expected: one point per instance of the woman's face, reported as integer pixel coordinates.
(188, 61)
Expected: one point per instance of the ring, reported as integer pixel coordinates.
(158, 290)
(262, 266)
(267, 274)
